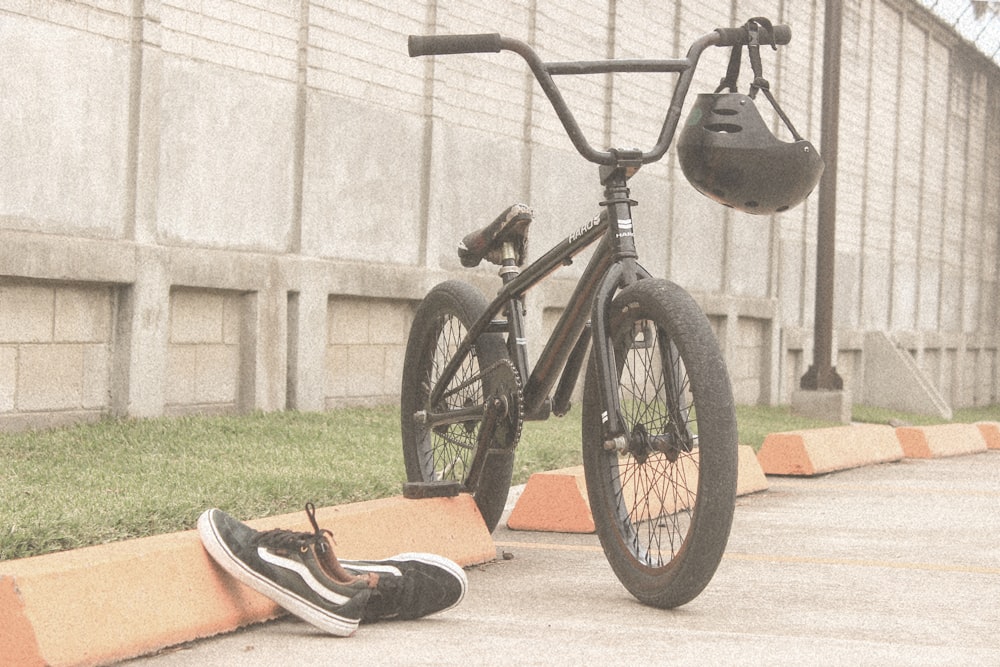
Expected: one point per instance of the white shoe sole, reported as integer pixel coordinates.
(227, 560)
(428, 558)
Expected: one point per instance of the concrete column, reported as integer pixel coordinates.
(251, 368)
(771, 364)
(144, 122)
(264, 350)
(307, 338)
(140, 346)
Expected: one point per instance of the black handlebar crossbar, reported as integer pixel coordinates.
(431, 45)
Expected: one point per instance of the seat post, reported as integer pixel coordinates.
(517, 342)
(508, 265)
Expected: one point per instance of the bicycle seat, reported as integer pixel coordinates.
(487, 243)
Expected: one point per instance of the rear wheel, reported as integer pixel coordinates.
(474, 450)
(663, 497)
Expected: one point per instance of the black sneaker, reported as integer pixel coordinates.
(299, 571)
(411, 585)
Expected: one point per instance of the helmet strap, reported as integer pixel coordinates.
(759, 82)
(733, 71)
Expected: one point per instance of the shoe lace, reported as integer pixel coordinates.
(320, 540)
(388, 599)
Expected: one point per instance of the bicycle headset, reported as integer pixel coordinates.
(728, 153)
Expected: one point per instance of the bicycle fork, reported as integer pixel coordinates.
(624, 271)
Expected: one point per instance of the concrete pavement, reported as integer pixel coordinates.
(888, 564)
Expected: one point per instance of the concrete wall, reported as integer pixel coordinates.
(220, 206)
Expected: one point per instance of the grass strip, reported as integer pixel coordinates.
(120, 479)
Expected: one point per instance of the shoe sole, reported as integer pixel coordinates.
(227, 560)
(427, 558)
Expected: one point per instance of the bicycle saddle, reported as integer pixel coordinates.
(487, 243)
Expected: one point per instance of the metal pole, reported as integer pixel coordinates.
(822, 374)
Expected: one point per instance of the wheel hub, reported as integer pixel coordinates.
(642, 443)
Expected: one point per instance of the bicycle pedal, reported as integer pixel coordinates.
(446, 488)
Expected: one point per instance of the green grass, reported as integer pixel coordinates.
(131, 478)
(868, 414)
(120, 479)
(756, 421)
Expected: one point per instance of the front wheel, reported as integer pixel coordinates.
(662, 495)
(474, 447)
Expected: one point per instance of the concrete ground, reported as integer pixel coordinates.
(894, 564)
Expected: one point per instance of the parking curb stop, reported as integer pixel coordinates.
(102, 604)
(923, 442)
(824, 450)
(556, 501)
(991, 433)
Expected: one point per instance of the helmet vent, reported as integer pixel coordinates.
(725, 112)
(723, 128)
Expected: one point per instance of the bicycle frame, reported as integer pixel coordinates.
(567, 346)
(569, 328)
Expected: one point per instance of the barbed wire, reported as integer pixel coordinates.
(977, 21)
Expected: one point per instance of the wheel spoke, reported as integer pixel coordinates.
(656, 496)
(451, 448)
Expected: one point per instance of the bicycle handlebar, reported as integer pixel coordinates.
(430, 45)
(439, 45)
(737, 36)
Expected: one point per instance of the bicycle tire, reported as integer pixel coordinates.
(663, 535)
(442, 319)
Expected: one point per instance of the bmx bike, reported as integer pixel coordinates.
(658, 417)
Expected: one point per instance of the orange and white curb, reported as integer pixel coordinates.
(991, 433)
(925, 442)
(823, 450)
(102, 604)
(556, 501)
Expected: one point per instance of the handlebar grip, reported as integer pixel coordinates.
(734, 36)
(438, 45)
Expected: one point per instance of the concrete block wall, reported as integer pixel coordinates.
(746, 367)
(244, 201)
(203, 351)
(55, 350)
(365, 350)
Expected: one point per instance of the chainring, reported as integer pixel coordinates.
(504, 387)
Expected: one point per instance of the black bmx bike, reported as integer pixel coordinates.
(658, 418)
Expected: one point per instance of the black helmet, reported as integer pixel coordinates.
(728, 153)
